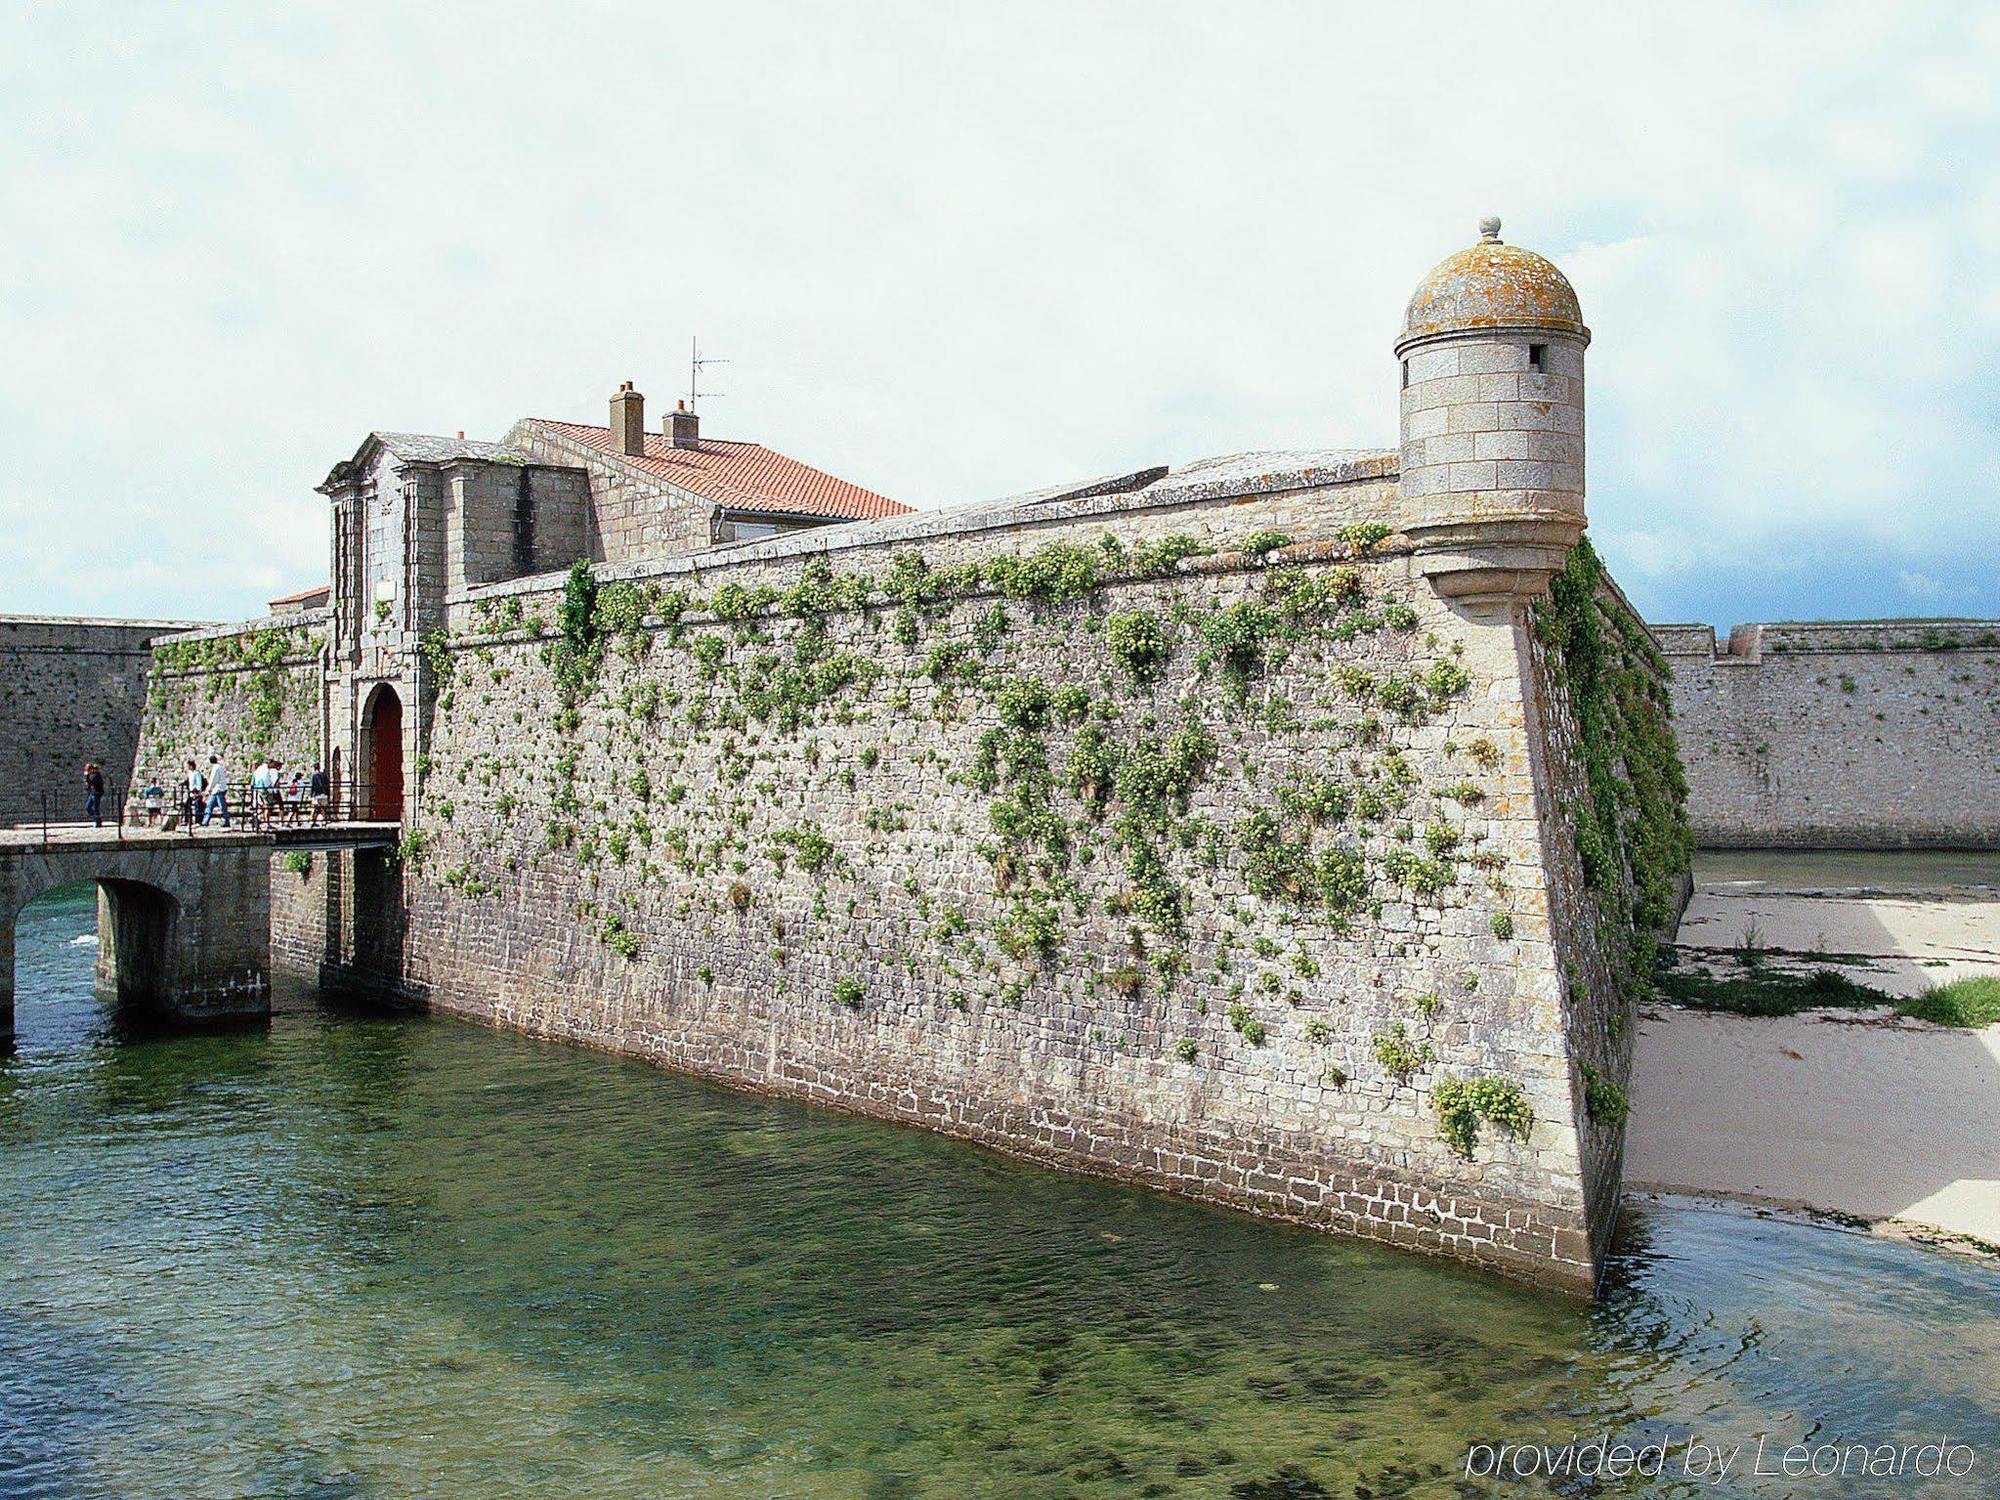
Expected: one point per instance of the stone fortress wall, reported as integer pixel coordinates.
(243, 692)
(1856, 734)
(70, 691)
(1186, 837)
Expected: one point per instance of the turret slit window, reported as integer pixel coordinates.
(1406, 374)
(1538, 358)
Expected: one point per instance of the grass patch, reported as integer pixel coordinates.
(1759, 991)
(1963, 1002)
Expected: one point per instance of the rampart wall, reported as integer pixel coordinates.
(239, 691)
(1840, 734)
(1197, 844)
(71, 690)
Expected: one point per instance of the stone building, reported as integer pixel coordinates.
(1284, 829)
(418, 520)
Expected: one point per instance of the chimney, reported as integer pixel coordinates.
(628, 420)
(683, 426)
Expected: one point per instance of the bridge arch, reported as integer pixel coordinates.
(183, 929)
(136, 951)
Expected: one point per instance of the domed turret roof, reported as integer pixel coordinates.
(1492, 285)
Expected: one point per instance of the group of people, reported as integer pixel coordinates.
(275, 796)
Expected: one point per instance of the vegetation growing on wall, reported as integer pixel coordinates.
(238, 685)
(1194, 803)
(1461, 1103)
(1632, 831)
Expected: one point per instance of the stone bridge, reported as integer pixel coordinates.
(183, 922)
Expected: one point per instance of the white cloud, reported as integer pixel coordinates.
(957, 251)
(1919, 585)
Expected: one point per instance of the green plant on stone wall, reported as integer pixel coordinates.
(1461, 1103)
(614, 934)
(1033, 929)
(1159, 558)
(849, 992)
(1138, 643)
(1236, 636)
(1363, 537)
(437, 655)
(1603, 1100)
(1247, 1025)
(578, 649)
(1050, 575)
(1632, 832)
(811, 847)
(1399, 1057)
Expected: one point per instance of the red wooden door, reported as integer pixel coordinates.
(385, 751)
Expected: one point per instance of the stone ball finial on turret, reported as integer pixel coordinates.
(1492, 420)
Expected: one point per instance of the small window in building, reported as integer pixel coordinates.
(1538, 358)
(1406, 374)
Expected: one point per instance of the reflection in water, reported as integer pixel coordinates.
(351, 1256)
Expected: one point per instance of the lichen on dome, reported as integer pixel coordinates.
(1492, 285)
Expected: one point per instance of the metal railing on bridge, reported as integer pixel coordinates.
(180, 810)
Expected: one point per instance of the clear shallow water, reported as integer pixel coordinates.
(357, 1257)
(1849, 869)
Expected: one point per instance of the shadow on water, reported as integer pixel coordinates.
(368, 1255)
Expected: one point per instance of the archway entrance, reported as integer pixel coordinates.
(384, 755)
(69, 945)
(135, 932)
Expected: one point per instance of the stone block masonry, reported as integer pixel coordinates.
(1239, 875)
(1189, 838)
(242, 692)
(1841, 734)
(71, 690)
(1270, 830)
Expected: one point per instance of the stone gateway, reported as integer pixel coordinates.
(1286, 830)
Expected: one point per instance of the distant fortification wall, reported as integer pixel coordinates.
(1840, 734)
(71, 690)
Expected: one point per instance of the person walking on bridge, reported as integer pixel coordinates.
(218, 792)
(93, 793)
(193, 788)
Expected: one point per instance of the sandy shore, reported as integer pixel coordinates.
(1857, 1114)
(1862, 1116)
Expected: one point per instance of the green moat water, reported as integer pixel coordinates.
(356, 1257)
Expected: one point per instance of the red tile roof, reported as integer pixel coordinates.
(317, 591)
(742, 476)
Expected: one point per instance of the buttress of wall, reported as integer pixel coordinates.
(631, 516)
(71, 690)
(1206, 876)
(242, 692)
(1857, 735)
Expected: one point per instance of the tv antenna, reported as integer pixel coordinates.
(696, 364)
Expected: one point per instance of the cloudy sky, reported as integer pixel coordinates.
(957, 250)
